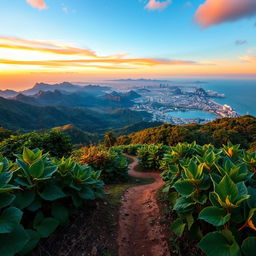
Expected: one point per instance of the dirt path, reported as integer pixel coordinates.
(140, 230)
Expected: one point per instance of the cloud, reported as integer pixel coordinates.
(248, 59)
(187, 4)
(44, 54)
(157, 5)
(39, 4)
(43, 46)
(240, 42)
(214, 12)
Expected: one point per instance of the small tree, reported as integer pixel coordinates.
(109, 139)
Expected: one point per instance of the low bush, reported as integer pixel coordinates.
(212, 191)
(113, 165)
(56, 143)
(37, 194)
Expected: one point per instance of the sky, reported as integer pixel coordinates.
(85, 40)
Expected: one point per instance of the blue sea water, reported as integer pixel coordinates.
(240, 94)
(192, 114)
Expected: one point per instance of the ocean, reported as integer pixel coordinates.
(239, 94)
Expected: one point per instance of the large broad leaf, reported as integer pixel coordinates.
(36, 170)
(5, 177)
(6, 199)
(34, 238)
(52, 192)
(24, 198)
(252, 200)
(178, 227)
(9, 219)
(60, 212)
(184, 187)
(183, 204)
(227, 188)
(87, 193)
(219, 243)
(249, 246)
(28, 155)
(13, 242)
(214, 215)
(47, 227)
(36, 205)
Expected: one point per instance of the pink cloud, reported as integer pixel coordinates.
(158, 5)
(39, 4)
(214, 12)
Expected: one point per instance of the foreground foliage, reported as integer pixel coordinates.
(37, 194)
(213, 193)
(113, 165)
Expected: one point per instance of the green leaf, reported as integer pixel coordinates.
(28, 155)
(5, 178)
(13, 242)
(6, 199)
(214, 215)
(87, 193)
(10, 218)
(184, 187)
(36, 170)
(36, 205)
(219, 244)
(34, 238)
(227, 188)
(183, 204)
(38, 218)
(178, 227)
(23, 165)
(190, 220)
(47, 227)
(52, 192)
(60, 213)
(252, 200)
(249, 246)
(24, 198)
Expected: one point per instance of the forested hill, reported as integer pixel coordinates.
(240, 130)
(16, 115)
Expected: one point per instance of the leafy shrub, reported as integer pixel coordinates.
(150, 156)
(37, 194)
(128, 149)
(213, 193)
(113, 165)
(54, 142)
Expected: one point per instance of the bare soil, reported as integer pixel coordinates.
(141, 227)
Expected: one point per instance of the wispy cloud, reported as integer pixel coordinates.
(39, 4)
(214, 12)
(248, 59)
(13, 51)
(240, 42)
(158, 5)
(187, 4)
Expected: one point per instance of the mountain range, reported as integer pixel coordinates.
(93, 109)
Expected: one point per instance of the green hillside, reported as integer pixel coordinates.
(241, 130)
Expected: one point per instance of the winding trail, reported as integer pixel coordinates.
(141, 232)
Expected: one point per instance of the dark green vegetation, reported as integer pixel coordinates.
(17, 115)
(240, 130)
(56, 143)
(211, 191)
(5, 133)
(78, 136)
(113, 166)
(37, 194)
